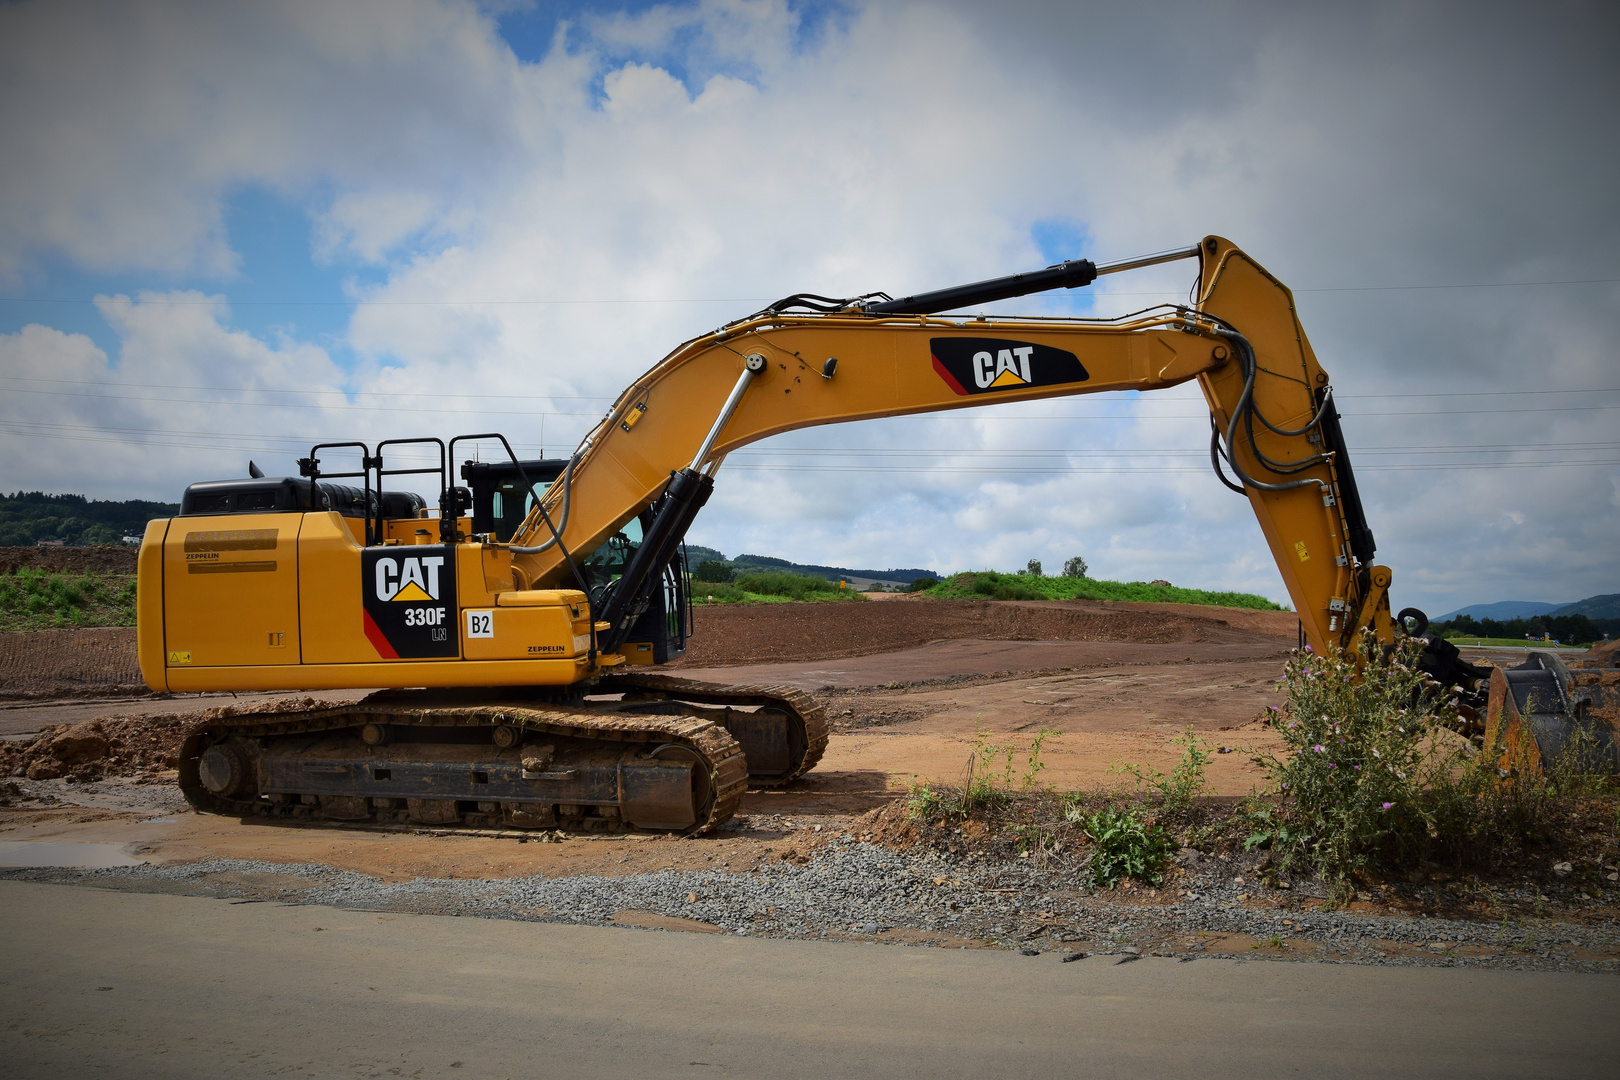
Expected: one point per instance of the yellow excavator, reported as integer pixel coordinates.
(510, 635)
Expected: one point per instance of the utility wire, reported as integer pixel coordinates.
(752, 299)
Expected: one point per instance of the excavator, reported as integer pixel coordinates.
(510, 635)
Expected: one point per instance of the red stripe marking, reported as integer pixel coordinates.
(950, 380)
(378, 641)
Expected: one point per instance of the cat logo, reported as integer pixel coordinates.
(1009, 367)
(410, 608)
(974, 365)
(410, 580)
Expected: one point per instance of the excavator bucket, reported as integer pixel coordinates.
(1545, 711)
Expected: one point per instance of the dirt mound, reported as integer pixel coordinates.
(758, 633)
(134, 746)
(61, 663)
(1602, 656)
(92, 559)
(123, 746)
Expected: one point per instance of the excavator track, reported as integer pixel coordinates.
(805, 720)
(456, 770)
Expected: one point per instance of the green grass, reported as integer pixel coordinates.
(1520, 643)
(990, 585)
(42, 600)
(770, 587)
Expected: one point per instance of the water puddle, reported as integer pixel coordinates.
(75, 856)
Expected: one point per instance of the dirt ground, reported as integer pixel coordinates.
(733, 634)
(92, 559)
(914, 688)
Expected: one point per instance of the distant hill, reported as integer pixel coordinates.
(857, 577)
(31, 516)
(697, 555)
(1502, 610)
(1606, 606)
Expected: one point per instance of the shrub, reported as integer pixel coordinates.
(1375, 774)
(710, 571)
(778, 583)
(1359, 748)
(991, 585)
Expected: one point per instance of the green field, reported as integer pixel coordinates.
(43, 600)
(1515, 643)
(989, 585)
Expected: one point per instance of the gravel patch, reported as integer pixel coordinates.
(848, 889)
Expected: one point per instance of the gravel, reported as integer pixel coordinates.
(849, 889)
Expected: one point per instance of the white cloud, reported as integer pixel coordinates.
(709, 151)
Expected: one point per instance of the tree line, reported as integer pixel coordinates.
(28, 517)
(1568, 629)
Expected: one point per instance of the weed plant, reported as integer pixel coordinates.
(987, 782)
(33, 599)
(1126, 845)
(1186, 780)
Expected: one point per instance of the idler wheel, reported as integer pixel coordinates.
(223, 770)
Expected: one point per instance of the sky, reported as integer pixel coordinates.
(230, 230)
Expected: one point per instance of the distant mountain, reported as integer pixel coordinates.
(1606, 606)
(1503, 610)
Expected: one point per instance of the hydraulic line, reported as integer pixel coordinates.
(1242, 413)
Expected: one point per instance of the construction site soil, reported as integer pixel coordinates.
(914, 688)
(91, 559)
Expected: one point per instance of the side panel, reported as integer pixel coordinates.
(230, 591)
(149, 606)
(520, 633)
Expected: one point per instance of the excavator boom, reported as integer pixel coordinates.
(781, 370)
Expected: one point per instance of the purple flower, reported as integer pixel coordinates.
(1356, 767)
(1319, 748)
(1388, 805)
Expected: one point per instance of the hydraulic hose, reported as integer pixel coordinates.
(1243, 411)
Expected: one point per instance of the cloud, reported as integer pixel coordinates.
(534, 225)
(72, 419)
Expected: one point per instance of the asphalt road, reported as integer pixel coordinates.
(101, 983)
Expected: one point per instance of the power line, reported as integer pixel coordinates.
(913, 416)
(600, 397)
(755, 299)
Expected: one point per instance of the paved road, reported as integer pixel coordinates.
(102, 983)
